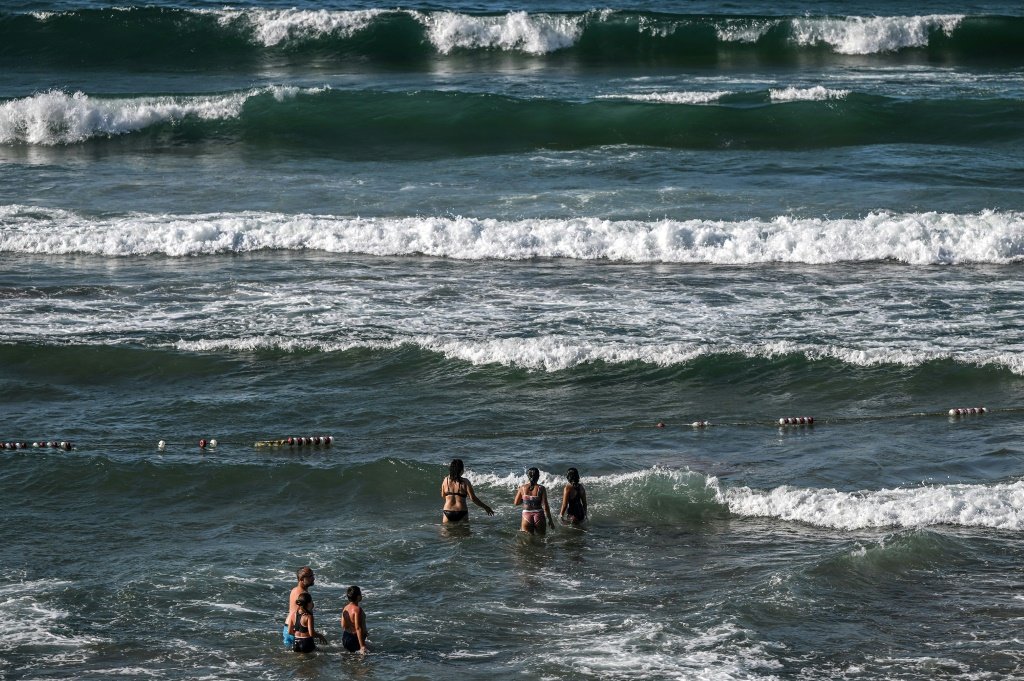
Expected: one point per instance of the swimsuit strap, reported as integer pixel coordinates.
(298, 622)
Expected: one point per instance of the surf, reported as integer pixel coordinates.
(147, 37)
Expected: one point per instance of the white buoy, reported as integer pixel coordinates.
(213, 444)
(161, 446)
(796, 421)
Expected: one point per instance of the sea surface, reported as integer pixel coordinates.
(626, 238)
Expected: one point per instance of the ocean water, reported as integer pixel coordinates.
(628, 239)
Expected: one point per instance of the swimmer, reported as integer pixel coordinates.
(574, 499)
(301, 625)
(534, 499)
(305, 578)
(454, 490)
(353, 623)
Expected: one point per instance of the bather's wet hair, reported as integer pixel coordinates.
(455, 470)
(573, 476)
(304, 600)
(354, 592)
(533, 475)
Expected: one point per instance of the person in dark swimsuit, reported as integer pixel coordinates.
(574, 499)
(454, 490)
(300, 625)
(353, 623)
(534, 499)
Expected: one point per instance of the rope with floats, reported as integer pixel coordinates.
(321, 442)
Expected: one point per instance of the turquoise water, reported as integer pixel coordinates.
(522, 236)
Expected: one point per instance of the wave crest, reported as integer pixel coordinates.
(271, 27)
(914, 238)
(516, 31)
(999, 506)
(56, 117)
(871, 35)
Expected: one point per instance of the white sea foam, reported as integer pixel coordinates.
(135, 672)
(518, 31)
(272, 27)
(871, 35)
(542, 33)
(551, 354)
(814, 94)
(722, 652)
(29, 617)
(285, 344)
(56, 117)
(671, 97)
(998, 506)
(735, 31)
(676, 479)
(497, 328)
(557, 354)
(914, 238)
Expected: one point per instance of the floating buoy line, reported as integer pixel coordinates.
(300, 443)
(49, 444)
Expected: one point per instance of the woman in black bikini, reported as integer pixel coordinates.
(300, 625)
(454, 490)
(574, 499)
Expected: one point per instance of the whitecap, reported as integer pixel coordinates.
(871, 35)
(997, 506)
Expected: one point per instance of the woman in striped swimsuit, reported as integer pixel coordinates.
(534, 499)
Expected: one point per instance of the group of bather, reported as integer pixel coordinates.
(300, 633)
(533, 497)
